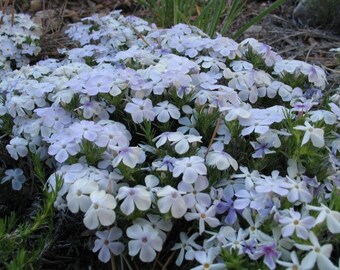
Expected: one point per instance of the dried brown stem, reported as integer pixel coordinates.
(113, 262)
(218, 123)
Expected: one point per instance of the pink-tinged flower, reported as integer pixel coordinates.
(164, 110)
(17, 147)
(311, 133)
(167, 164)
(140, 110)
(101, 210)
(131, 156)
(270, 253)
(145, 240)
(316, 75)
(317, 254)
(170, 198)
(203, 216)
(78, 195)
(135, 196)
(294, 223)
(191, 168)
(107, 244)
(206, 259)
(332, 217)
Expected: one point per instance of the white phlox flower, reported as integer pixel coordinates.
(332, 217)
(187, 247)
(317, 254)
(181, 141)
(17, 147)
(294, 264)
(178, 139)
(316, 135)
(170, 198)
(16, 176)
(158, 223)
(145, 240)
(204, 216)
(298, 190)
(101, 210)
(295, 223)
(140, 110)
(206, 259)
(164, 110)
(78, 196)
(130, 156)
(106, 244)
(190, 167)
(194, 194)
(133, 197)
(222, 160)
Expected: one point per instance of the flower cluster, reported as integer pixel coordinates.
(19, 40)
(226, 142)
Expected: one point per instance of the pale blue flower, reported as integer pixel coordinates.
(16, 176)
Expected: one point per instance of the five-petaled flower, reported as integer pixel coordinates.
(316, 135)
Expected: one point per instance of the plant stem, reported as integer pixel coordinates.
(113, 262)
(218, 123)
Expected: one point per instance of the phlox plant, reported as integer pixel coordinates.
(18, 41)
(177, 148)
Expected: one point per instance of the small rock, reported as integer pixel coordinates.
(318, 13)
(254, 29)
(35, 5)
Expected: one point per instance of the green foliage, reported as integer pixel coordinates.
(294, 80)
(23, 242)
(257, 61)
(93, 153)
(206, 120)
(39, 170)
(233, 261)
(74, 104)
(210, 16)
